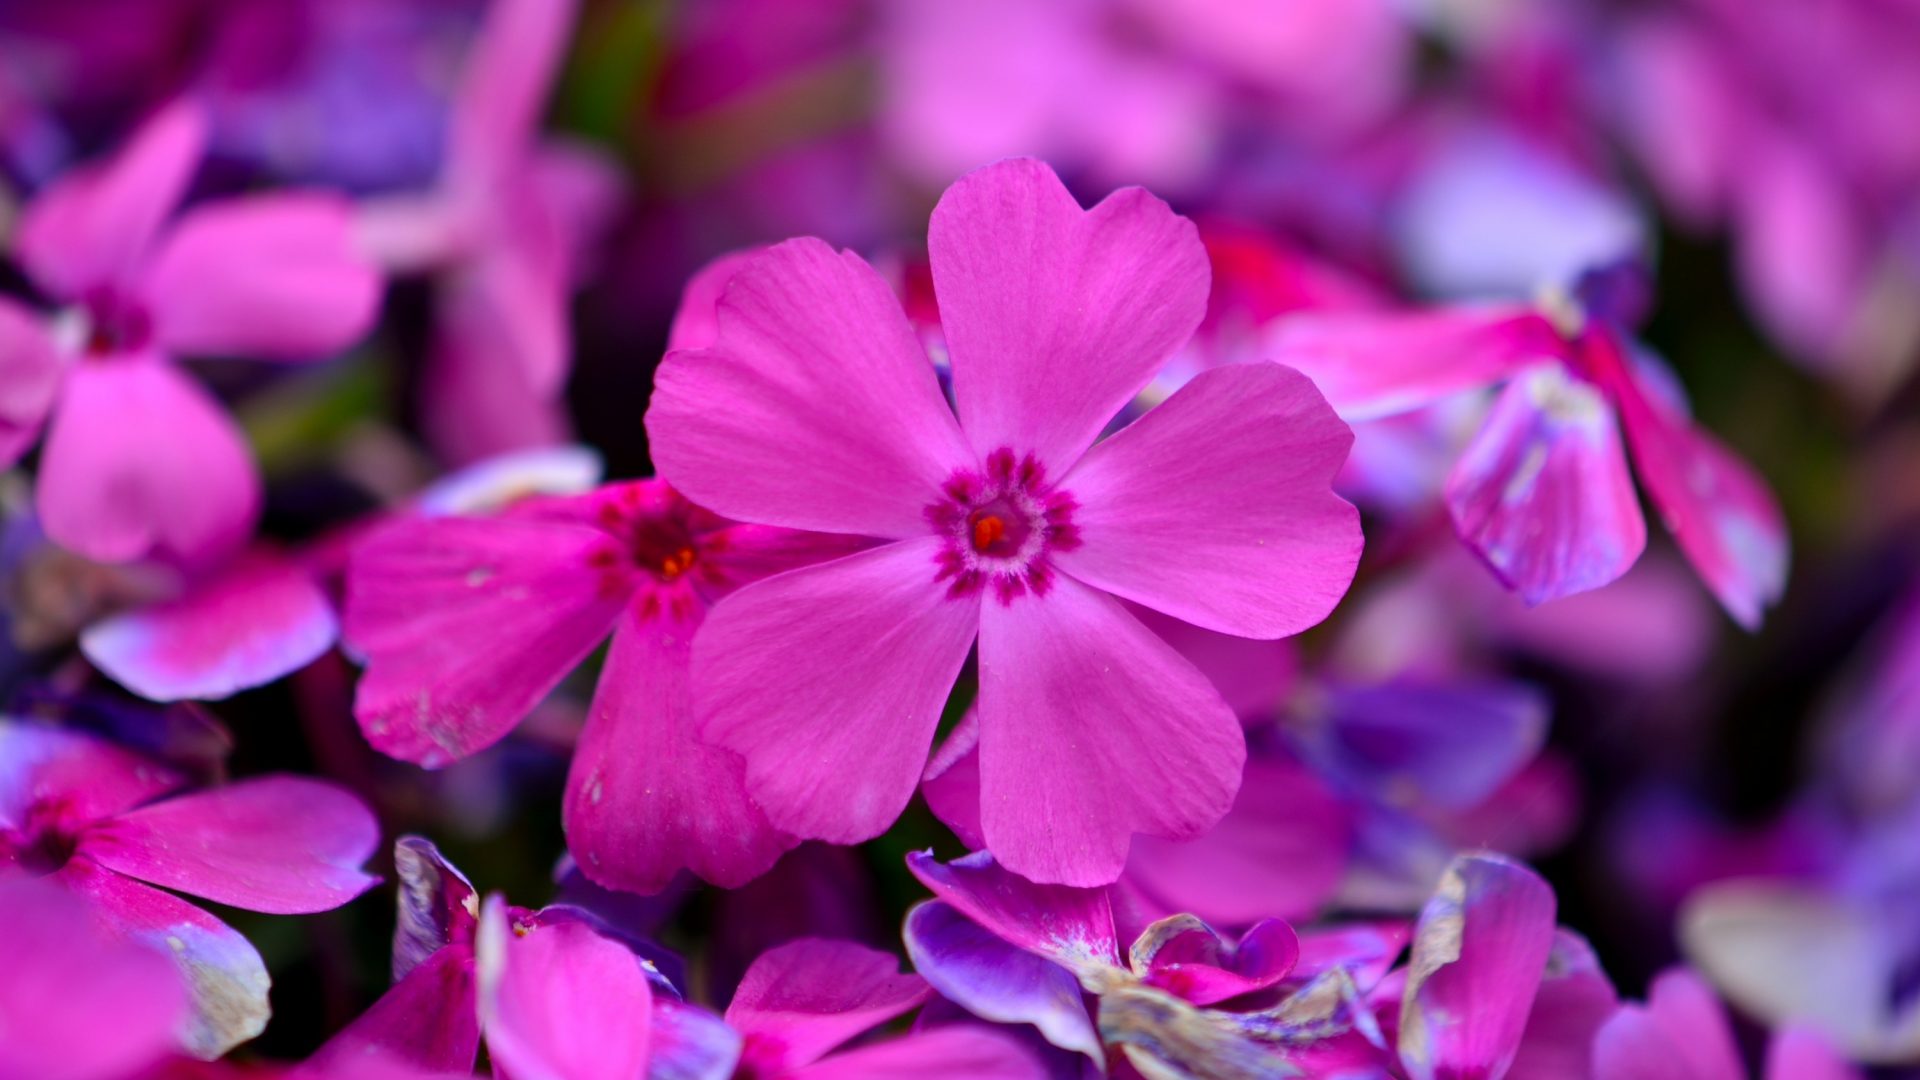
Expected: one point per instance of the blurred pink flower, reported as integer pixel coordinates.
(816, 407)
(139, 460)
(106, 824)
(1682, 1033)
(503, 231)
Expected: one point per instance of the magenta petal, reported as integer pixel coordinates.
(1798, 1052)
(560, 1001)
(225, 979)
(1478, 956)
(466, 623)
(1371, 366)
(140, 460)
(31, 370)
(996, 980)
(1281, 851)
(799, 1001)
(1719, 510)
(1575, 999)
(87, 778)
(1254, 675)
(1542, 493)
(263, 618)
(1057, 316)
(814, 408)
(951, 784)
(645, 799)
(1632, 1046)
(280, 844)
(1184, 956)
(78, 1007)
(1093, 729)
(504, 84)
(479, 391)
(829, 680)
(1217, 507)
(515, 291)
(1687, 1011)
(965, 1050)
(690, 1043)
(1802, 260)
(426, 1020)
(696, 322)
(1069, 926)
(270, 277)
(92, 227)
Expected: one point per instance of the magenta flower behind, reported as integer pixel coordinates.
(139, 459)
(816, 408)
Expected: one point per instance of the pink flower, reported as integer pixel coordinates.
(79, 1004)
(97, 819)
(466, 623)
(816, 408)
(140, 460)
(503, 231)
(1542, 494)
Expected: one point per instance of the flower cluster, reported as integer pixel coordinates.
(1004, 539)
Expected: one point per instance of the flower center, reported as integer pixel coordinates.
(37, 847)
(105, 324)
(659, 550)
(1000, 528)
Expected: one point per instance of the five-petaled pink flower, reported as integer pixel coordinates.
(140, 460)
(815, 407)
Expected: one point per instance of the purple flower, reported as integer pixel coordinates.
(107, 825)
(466, 623)
(816, 407)
(139, 460)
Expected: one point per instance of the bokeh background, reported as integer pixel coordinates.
(1762, 159)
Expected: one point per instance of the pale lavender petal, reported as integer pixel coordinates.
(690, 1043)
(280, 844)
(1217, 507)
(996, 980)
(87, 778)
(1281, 851)
(1575, 999)
(829, 680)
(801, 1000)
(1479, 952)
(1093, 729)
(1542, 493)
(467, 623)
(645, 798)
(426, 1020)
(1056, 316)
(1185, 957)
(225, 979)
(92, 228)
(269, 277)
(31, 370)
(814, 408)
(558, 1001)
(79, 1006)
(141, 461)
(262, 618)
(961, 1050)
(497, 482)
(1070, 926)
(1370, 366)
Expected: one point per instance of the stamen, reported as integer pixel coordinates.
(987, 530)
